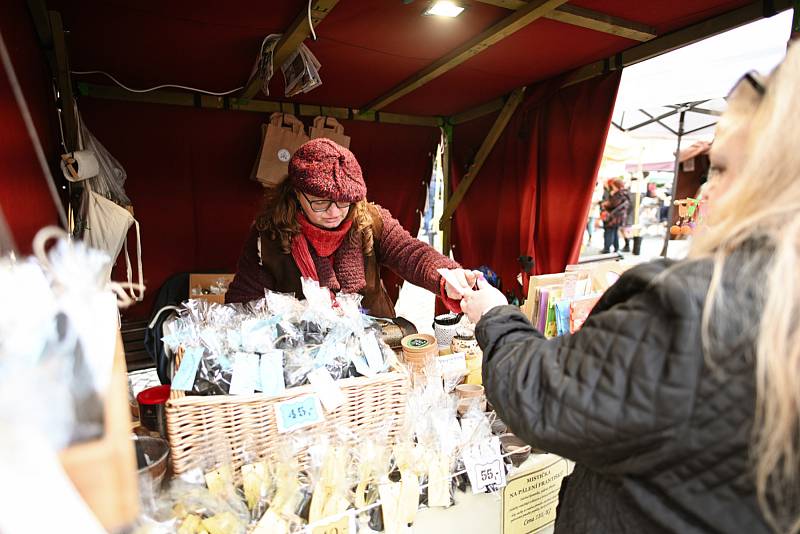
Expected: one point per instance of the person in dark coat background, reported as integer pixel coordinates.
(679, 398)
(616, 208)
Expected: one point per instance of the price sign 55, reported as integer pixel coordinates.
(298, 413)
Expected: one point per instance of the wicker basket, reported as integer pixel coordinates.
(249, 421)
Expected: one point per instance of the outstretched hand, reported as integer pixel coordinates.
(465, 282)
(475, 303)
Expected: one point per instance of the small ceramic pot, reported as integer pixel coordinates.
(469, 391)
(444, 326)
(465, 343)
(517, 449)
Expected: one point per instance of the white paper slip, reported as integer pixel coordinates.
(272, 381)
(245, 373)
(299, 412)
(184, 378)
(330, 394)
(484, 466)
(449, 277)
(453, 364)
(372, 350)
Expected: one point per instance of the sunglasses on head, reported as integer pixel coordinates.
(750, 78)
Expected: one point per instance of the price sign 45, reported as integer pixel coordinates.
(298, 413)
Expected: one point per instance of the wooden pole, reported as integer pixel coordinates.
(446, 225)
(674, 182)
(483, 153)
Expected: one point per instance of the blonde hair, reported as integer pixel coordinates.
(278, 219)
(762, 207)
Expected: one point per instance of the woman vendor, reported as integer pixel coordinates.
(317, 224)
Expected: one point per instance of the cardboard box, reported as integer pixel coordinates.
(205, 281)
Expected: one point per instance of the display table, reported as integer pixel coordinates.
(539, 480)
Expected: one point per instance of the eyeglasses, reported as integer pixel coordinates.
(752, 78)
(319, 206)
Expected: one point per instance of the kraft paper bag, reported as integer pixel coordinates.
(280, 139)
(330, 128)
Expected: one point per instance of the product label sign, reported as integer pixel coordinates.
(485, 467)
(530, 499)
(343, 525)
(298, 413)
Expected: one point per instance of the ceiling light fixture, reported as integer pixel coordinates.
(444, 8)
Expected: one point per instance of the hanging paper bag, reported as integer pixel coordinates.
(330, 128)
(284, 134)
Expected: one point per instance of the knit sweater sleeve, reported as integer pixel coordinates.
(251, 278)
(410, 258)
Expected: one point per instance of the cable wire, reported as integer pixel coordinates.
(310, 24)
(84, 72)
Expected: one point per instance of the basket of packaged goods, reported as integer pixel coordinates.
(247, 376)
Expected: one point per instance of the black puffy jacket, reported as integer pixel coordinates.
(660, 435)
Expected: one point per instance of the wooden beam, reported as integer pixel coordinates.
(478, 111)
(64, 83)
(298, 32)
(483, 153)
(680, 38)
(586, 18)
(509, 25)
(447, 152)
(638, 53)
(41, 21)
(177, 98)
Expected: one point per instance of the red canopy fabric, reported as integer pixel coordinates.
(534, 190)
(24, 196)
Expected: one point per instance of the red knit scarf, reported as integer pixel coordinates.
(325, 243)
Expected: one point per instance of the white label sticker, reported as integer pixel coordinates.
(297, 413)
(245, 374)
(272, 382)
(453, 364)
(284, 155)
(372, 350)
(326, 387)
(484, 466)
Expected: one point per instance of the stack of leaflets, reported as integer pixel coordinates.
(301, 72)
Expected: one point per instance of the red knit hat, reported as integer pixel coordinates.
(325, 169)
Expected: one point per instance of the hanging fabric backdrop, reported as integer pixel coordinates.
(533, 193)
(25, 198)
(188, 180)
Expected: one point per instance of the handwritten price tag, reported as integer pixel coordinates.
(344, 525)
(298, 413)
(485, 467)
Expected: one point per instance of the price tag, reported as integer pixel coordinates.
(343, 525)
(272, 382)
(245, 374)
(372, 350)
(453, 364)
(184, 378)
(326, 387)
(211, 339)
(298, 413)
(485, 467)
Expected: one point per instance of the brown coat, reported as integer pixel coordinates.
(395, 248)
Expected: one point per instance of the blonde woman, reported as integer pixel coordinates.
(679, 399)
